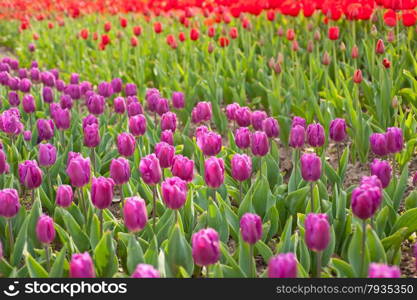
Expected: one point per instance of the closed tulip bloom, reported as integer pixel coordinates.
(120, 170)
(25, 85)
(251, 228)
(135, 214)
(105, 89)
(383, 271)
(27, 135)
(137, 125)
(169, 121)
(167, 136)
(317, 231)
(371, 181)
(257, 117)
(241, 165)
(243, 116)
(150, 169)
(355, 52)
(47, 155)
(178, 100)
(378, 143)
(152, 100)
(119, 105)
(47, 95)
(315, 135)
(91, 136)
(380, 47)
(243, 137)
(65, 101)
(338, 130)
(9, 203)
(174, 192)
(357, 76)
(259, 143)
(45, 129)
(28, 103)
(165, 154)
(3, 162)
(333, 33)
(134, 108)
(205, 247)
(382, 169)
(395, 140)
(62, 118)
(214, 172)
(271, 127)
(60, 86)
(90, 119)
(64, 195)
(231, 111)
(162, 106)
(81, 266)
(310, 167)
(297, 136)
(10, 122)
(126, 144)
(14, 99)
(183, 167)
(201, 112)
(283, 265)
(210, 143)
(365, 201)
(30, 174)
(145, 271)
(74, 91)
(116, 85)
(95, 104)
(102, 192)
(78, 170)
(45, 230)
(299, 121)
(130, 89)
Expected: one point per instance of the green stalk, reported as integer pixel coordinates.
(11, 238)
(48, 259)
(363, 270)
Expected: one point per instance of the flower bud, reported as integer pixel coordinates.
(326, 59)
(174, 192)
(64, 195)
(259, 143)
(29, 174)
(283, 265)
(395, 140)
(120, 170)
(271, 127)
(28, 103)
(137, 125)
(95, 104)
(243, 116)
(243, 137)
(90, 119)
(206, 247)
(165, 154)
(315, 135)
(178, 100)
(357, 76)
(47, 94)
(257, 117)
(78, 169)
(333, 33)
(91, 136)
(380, 47)
(167, 136)
(383, 271)
(45, 230)
(317, 231)
(150, 169)
(251, 228)
(119, 105)
(378, 143)
(183, 168)
(365, 201)
(126, 144)
(338, 130)
(231, 111)
(47, 155)
(45, 129)
(145, 271)
(210, 143)
(135, 214)
(27, 135)
(201, 112)
(169, 121)
(310, 167)
(102, 192)
(9, 203)
(214, 172)
(355, 52)
(241, 165)
(14, 98)
(81, 266)
(382, 170)
(299, 121)
(105, 89)
(130, 89)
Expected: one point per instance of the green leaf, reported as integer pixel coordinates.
(77, 234)
(134, 254)
(178, 253)
(343, 269)
(19, 244)
(34, 268)
(105, 258)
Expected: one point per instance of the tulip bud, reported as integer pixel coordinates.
(231, 111)
(317, 35)
(257, 117)
(241, 165)
(338, 130)
(169, 121)
(290, 34)
(78, 169)
(47, 155)
(380, 47)
(62, 118)
(243, 137)
(326, 59)
(174, 192)
(150, 169)
(201, 112)
(395, 102)
(277, 68)
(382, 170)
(283, 265)
(105, 89)
(145, 271)
(378, 143)
(391, 36)
(130, 89)
(395, 140)
(355, 52)
(45, 129)
(135, 214)
(178, 100)
(206, 247)
(47, 94)
(134, 108)
(374, 31)
(383, 271)
(386, 63)
(365, 201)
(210, 143)
(214, 172)
(342, 47)
(310, 46)
(64, 195)
(28, 103)
(81, 266)
(45, 230)
(299, 121)
(271, 127)
(90, 119)
(91, 136)
(95, 104)
(137, 125)
(357, 76)
(251, 228)
(167, 136)
(333, 33)
(119, 105)
(294, 46)
(27, 135)
(371, 181)
(259, 143)
(297, 136)
(165, 154)
(29, 174)
(183, 168)
(126, 144)
(243, 116)
(310, 167)
(102, 192)
(14, 99)
(162, 106)
(317, 231)
(120, 170)
(9, 203)
(315, 135)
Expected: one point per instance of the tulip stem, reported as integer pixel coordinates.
(318, 274)
(122, 199)
(11, 239)
(100, 216)
(207, 271)
(154, 209)
(49, 184)
(240, 192)
(251, 269)
(93, 159)
(33, 196)
(176, 215)
(363, 270)
(48, 259)
(214, 196)
(312, 196)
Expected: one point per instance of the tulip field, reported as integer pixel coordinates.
(208, 139)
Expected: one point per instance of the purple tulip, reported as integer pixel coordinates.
(317, 231)
(130, 89)
(90, 119)
(178, 100)
(135, 214)
(210, 143)
(105, 89)
(383, 271)
(81, 266)
(27, 135)
(310, 167)
(183, 168)
(78, 169)
(48, 79)
(35, 74)
(95, 104)
(65, 102)
(47, 95)
(1, 251)
(174, 192)
(119, 105)
(214, 172)
(62, 118)
(102, 192)
(366, 200)
(45, 230)
(9, 203)
(47, 155)
(243, 137)
(45, 129)
(338, 130)
(10, 122)
(315, 135)
(202, 112)
(152, 99)
(259, 143)
(162, 106)
(206, 247)
(251, 228)
(243, 116)
(28, 103)
(395, 140)
(134, 108)
(73, 90)
(14, 98)
(3, 162)
(283, 265)
(231, 111)
(91, 136)
(271, 127)
(137, 125)
(165, 154)
(60, 86)
(29, 174)
(379, 144)
(257, 118)
(116, 85)
(167, 136)
(25, 85)
(150, 169)
(299, 121)
(13, 83)
(85, 87)
(64, 195)
(297, 136)
(126, 144)
(169, 121)
(382, 169)
(145, 271)
(241, 167)
(120, 170)
(74, 78)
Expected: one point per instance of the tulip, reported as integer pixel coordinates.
(378, 143)
(355, 52)
(271, 127)
(28, 103)
(9, 207)
(380, 47)
(91, 136)
(202, 112)
(383, 271)
(90, 119)
(95, 104)
(386, 63)
(257, 117)
(45, 129)
(169, 121)
(299, 121)
(30, 175)
(73, 90)
(126, 144)
(283, 265)
(338, 130)
(243, 116)
(120, 170)
(14, 99)
(62, 119)
(241, 166)
(78, 169)
(102, 192)
(243, 137)
(165, 154)
(297, 136)
(162, 106)
(251, 228)
(64, 195)
(315, 135)
(317, 235)
(210, 143)
(178, 100)
(333, 33)
(259, 143)
(81, 266)
(357, 76)
(130, 89)
(365, 201)
(214, 172)
(145, 271)
(310, 167)
(105, 89)
(231, 111)
(395, 140)
(174, 192)
(119, 105)
(47, 95)
(167, 136)
(183, 168)
(47, 155)
(137, 125)
(205, 247)
(382, 170)
(1, 251)
(135, 214)
(45, 230)
(326, 59)
(27, 135)
(152, 98)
